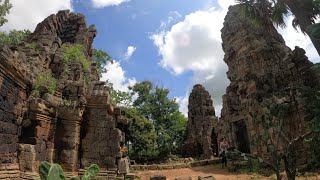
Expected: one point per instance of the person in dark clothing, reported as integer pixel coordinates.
(223, 151)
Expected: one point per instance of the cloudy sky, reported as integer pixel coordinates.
(173, 43)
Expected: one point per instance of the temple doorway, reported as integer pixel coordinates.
(241, 136)
(214, 143)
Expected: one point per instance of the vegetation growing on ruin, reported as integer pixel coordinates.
(74, 53)
(45, 82)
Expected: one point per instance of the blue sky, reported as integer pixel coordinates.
(173, 43)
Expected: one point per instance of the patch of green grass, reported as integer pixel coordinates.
(45, 79)
(74, 53)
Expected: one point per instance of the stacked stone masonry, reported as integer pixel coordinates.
(75, 126)
(261, 67)
(200, 127)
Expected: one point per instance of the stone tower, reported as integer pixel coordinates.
(261, 67)
(200, 127)
(75, 125)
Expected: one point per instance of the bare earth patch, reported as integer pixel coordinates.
(213, 170)
(210, 170)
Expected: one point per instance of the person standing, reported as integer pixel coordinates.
(223, 151)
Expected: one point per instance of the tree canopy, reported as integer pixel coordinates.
(14, 37)
(101, 58)
(305, 12)
(154, 104)
(4, 10)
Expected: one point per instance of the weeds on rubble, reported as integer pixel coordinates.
(74, 53)
(45, 82)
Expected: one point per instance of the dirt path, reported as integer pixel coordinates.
(213, 170)
(210, 170)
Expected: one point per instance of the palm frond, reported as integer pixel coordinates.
(314, 31)
(279, 13)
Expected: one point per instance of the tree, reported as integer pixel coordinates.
(272, 135)
(140, 135)
(4, 10)
(14, 37)
(305, 13)
(101, 58)
(154, 104)
(119, 98)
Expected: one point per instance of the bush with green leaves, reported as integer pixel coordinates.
(74, 53)
(4, 10)
(101, 58)
(15, 38)
(45, 82)
(50, 171)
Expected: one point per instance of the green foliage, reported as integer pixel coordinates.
(279, 13)
(101, 58)
(313, 103)
(4, 10)
(153, 103)
(257, 12)
(119, 98)
(74, 53)
(91, 172)
(47, 81)
(314, 30)
(50, 171)
(141, 135)
(14, 37)
(261, 11)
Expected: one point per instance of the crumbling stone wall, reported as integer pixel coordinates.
(56, 127)
(261, 67)
(13, 101)
(201, 120)
(102, 140)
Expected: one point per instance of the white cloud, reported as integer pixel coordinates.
(183, 104)
(297, 38)
(26, 14)
(116, 75)
(194, 44)
(106, 3)
(129, 53)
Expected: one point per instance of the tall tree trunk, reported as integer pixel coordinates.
(303, 18)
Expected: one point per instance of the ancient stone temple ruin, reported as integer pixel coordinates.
(201, 138)
(261, 67)
(75, 125)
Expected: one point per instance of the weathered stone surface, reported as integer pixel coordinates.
(74, 126)
(261, 67)
(27, 158)
(201, 119)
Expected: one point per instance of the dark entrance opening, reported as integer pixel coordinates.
(241, 136)
(214, 143)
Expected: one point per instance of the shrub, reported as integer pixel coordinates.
(50, 171)
(74, 53)
(45, 79)
(14, 37)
